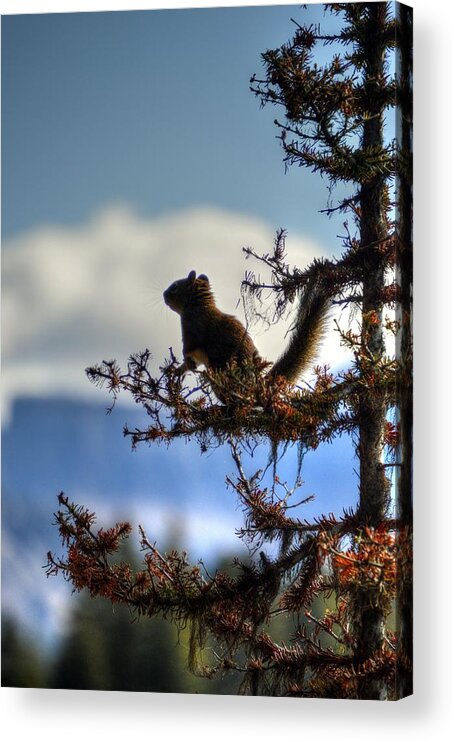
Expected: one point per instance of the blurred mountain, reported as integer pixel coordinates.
(55, 444)
(52, 444)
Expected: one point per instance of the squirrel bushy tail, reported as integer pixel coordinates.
(308, 331)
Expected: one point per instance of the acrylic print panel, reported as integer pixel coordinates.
(220, 200)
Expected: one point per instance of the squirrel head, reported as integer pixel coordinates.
(190, 291)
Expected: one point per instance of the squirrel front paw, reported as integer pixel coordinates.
(187, 365)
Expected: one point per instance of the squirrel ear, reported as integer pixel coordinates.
(203, 277)
(191, 276)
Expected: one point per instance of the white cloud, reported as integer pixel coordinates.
(73, 296)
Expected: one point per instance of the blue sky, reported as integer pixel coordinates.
(152, 109)
(133, 151)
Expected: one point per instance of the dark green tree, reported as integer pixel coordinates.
(22, 664)
(107, 649)
(339, 119)
(82, 663)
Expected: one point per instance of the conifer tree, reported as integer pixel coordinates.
(339, 119)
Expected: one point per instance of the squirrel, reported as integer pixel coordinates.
(214, 339)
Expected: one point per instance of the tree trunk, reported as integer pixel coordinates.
(374, 486)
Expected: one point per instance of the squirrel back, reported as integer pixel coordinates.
(213, 338)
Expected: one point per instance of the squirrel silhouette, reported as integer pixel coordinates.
(213, 338)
